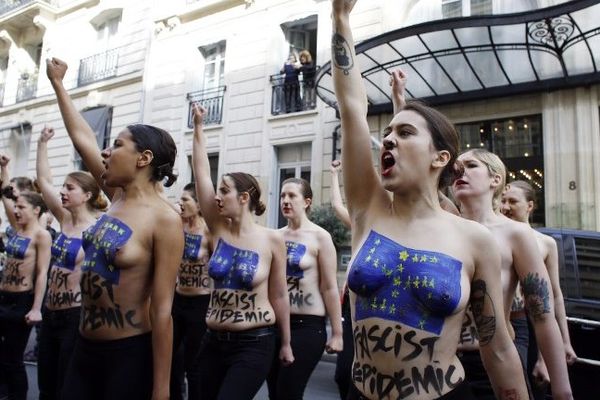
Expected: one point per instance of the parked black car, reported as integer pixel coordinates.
(579, 263)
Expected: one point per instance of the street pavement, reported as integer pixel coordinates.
(320, 387)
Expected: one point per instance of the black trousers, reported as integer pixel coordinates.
(461, 392)
(14, 333)
(308, 342)
(118, 369)
(343, 364)
(234, 365)
(189, 327)
(57, 341)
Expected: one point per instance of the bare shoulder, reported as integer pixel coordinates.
(548, 243)
(275, 236)
(320, 233)
(166, 218)
(42, 236)
(470, 232)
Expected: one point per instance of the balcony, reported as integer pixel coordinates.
(291, 97)
(212, 100)
(10, 5)
(98, 67)
(1, 94)
(27, 87)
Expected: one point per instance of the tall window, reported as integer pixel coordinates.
(20, 143)
(518, 141)
(293, 161)
(100, 120)
(465, 8)
(213, 161)
(107, 33)
(214, 65)
(302, 34)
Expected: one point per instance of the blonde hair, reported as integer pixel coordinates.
(495, 166)
(306, 54)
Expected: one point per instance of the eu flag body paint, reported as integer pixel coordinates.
(231, 267)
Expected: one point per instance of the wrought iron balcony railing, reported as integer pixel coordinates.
(7, 6)
(98, 67)
(289, 97)
(27, 87)
(212, 100)
(1, 94)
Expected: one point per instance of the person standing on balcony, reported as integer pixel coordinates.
(518, 202)
(132, 254)
(313, 293)
(291, 84)
(478, 190)
(75, 210)
(23, 283)
(409, 283)
(192, 296)
(249, 293)
(308, 70)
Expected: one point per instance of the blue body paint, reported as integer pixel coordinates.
(232, 268)
(101, 243)
(64, 251)
(16, 246)
(295, 252)
(415, 287)
(191, 250)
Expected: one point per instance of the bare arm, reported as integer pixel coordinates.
(336, 195)
(560, 313)
(398, 83)
(327, 261)
(44, 176)
(538, 296)
(278, 296)
(9, 204)
(204, 185)
(498, 352)
(168, 250)
(360, 180)
(81, 134)
(42, 262)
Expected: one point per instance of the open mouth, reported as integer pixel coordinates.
(387, 163)
(460, 182)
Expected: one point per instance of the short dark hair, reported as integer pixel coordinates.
(443, 134)
(244, 182)
(162, 146)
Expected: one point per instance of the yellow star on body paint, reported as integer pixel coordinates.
(433, 259)
(368, 258)
(429, 295)
(376, 263)
(395, 293)
(377, 242)
(403, 255)
(415, 258)
(416, 283)
(424, 281)
(423, 258)
(372, 250)
(397, 281)
(383, 305)
(421, 324)
(388, 272)
(392, 309)
(431, 283)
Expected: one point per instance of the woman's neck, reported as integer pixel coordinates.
(478, 209)
(81, 215)
(242, 224)
(415, 204)
(193, 224)
(298, 222)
